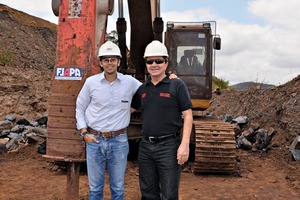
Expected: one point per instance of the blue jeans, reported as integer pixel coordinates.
(111, 152)
(159, 172)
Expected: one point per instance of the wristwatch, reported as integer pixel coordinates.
(83, 134)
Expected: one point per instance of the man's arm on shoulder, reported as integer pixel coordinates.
(136, 102)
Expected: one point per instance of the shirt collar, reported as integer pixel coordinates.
(120, 76)
(165, 80)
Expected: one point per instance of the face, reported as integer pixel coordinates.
(156, 65)
(110, 64)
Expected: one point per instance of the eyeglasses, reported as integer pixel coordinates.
(107, 60)
(157, 61)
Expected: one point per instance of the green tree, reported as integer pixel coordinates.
(220, 83)
(112, 36)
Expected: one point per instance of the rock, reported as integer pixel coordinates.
(15, 139)
(228, 118)
(249, 135)
(255, 126)
(42, 132)
(5, 125)
(42, 120)
(32, 138)
(18, 129)
(34, 123)
(241, 120)
(4, 140)
(10, 117)
(243, 143)
(23, 121)
(295, 148)
(271, 132)
(218, 91)
(262, 139)
(237, 130)
(2, 148)
(42, 148)
(4, 133)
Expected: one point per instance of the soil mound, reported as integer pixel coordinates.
(27, 51)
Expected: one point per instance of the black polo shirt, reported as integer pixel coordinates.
(162, 105)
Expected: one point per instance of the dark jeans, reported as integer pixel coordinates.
(159, 172)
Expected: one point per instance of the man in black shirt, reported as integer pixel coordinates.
(166, 113)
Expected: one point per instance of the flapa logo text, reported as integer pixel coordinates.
(68, 73)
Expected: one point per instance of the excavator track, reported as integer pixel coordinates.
(215, 147)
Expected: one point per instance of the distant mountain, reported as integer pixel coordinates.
(249, 85)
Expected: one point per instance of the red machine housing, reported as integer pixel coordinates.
(81, 31)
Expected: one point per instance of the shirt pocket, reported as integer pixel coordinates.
(124, 100)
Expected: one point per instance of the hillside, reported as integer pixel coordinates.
(29, 44)
(24, 90)
(251, 85)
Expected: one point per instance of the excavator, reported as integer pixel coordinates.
(82, 26)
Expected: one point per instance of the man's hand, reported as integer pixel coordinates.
(173, 76)
(183, 153)
(88, 138)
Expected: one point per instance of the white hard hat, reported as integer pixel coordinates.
(156, 48)
(109, 49)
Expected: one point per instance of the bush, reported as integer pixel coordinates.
(220, 83)
(5, 57)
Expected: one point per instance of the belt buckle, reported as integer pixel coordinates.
(105, 134)
(151, 139)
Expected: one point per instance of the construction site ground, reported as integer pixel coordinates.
(27, 175)
(29, 44)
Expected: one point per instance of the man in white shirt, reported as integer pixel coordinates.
(103, 114)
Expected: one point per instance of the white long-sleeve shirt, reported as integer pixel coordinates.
(105, 106)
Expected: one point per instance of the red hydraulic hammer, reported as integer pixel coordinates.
(81, 30)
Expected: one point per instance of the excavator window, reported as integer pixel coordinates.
(189, 50)
(191, 60)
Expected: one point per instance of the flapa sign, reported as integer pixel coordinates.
(68, 73)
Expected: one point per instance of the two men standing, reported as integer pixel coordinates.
(103, 113)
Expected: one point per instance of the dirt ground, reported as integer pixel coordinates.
(27, 175)
(24, 89)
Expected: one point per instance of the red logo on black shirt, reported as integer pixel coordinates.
(165, 95)
(143, 95)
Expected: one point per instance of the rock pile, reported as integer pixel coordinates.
(15, 133)
(250, 136)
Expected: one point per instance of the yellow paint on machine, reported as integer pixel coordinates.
(201, 104)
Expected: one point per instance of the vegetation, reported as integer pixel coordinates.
(112, 36)
(5, 57)
(219, 83)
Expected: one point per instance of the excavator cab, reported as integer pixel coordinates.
(191, 50)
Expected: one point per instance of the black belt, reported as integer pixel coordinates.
(155, 139)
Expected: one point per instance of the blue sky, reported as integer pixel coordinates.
(260, 38)
(228, 9)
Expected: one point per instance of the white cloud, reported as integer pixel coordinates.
(277, 12)
(189, 15)
(253, 52)
(257, 53)
(265, 52)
